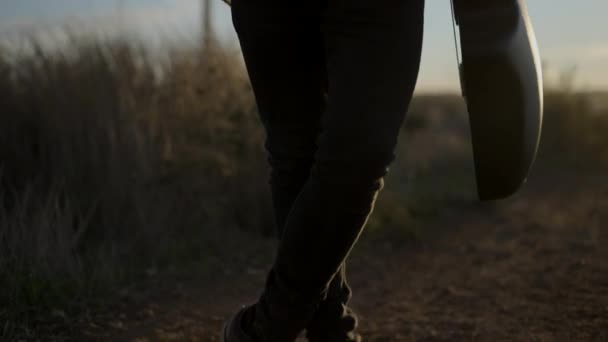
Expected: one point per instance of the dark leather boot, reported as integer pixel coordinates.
(234, 329)
(334, 321)
(334, 328)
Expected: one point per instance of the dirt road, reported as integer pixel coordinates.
(533, 268)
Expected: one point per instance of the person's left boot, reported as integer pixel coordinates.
(235, 329)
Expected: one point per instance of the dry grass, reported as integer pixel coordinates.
(105, 151)
(574, 130)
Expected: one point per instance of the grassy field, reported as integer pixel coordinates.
(115, 164)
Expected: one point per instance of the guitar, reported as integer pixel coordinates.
(501, 79)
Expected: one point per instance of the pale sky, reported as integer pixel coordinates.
(570, 33)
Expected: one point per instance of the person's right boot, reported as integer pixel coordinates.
(334, 321)
(327, 326)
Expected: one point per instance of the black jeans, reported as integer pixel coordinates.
(333, 80)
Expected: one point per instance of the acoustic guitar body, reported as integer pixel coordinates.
(502, 84)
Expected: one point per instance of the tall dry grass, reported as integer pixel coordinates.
(574, 130)
(113, 159)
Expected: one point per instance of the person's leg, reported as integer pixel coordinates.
(333, 319)
(373, 52)
(286, 62)
(283, 51)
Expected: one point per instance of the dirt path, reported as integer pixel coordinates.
(534, 268)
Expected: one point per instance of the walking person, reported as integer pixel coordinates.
(333, 80)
